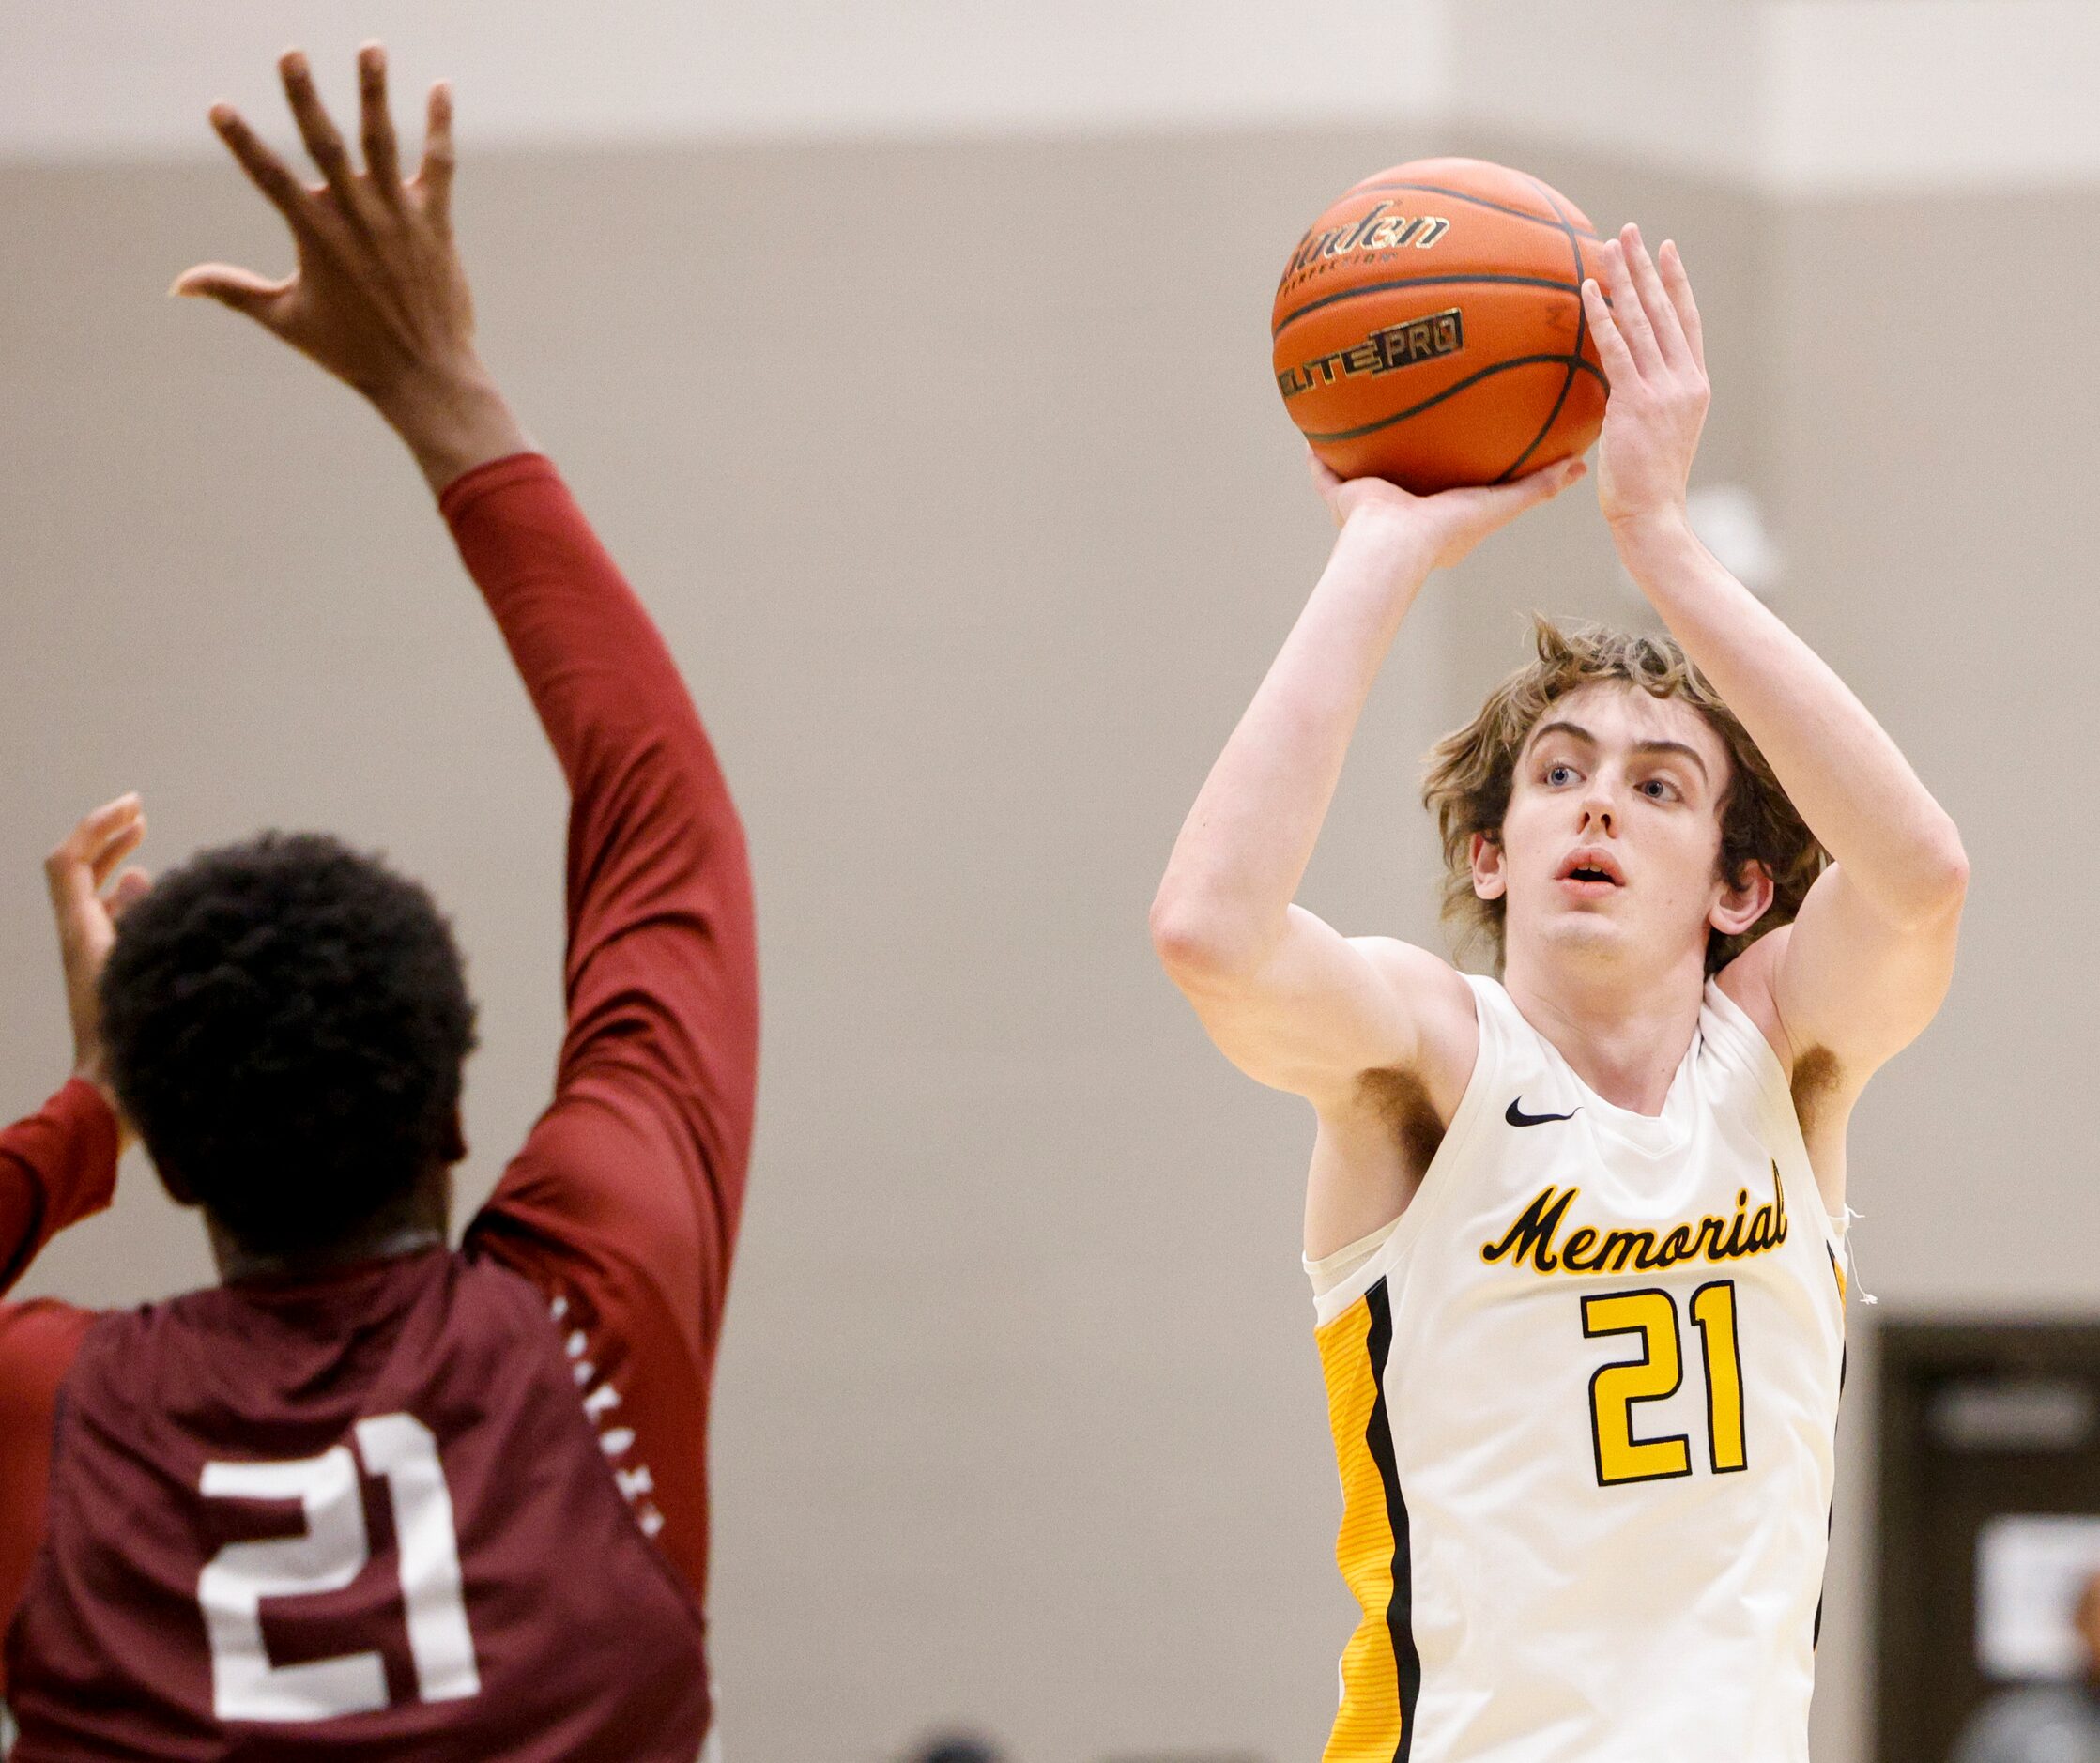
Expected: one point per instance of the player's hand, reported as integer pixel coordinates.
(90, 890)
(379, 295)
(1649, 342)
(1442, 528)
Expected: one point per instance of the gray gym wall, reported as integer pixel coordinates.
(952, 471)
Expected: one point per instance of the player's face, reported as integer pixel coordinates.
(1609, 850)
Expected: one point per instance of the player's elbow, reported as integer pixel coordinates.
(1200, 947)
(1947, 875)
(1936, 882)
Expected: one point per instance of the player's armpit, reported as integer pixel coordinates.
(608, 1212)
(1322, 1009)
(39, 1343)
(1845, 982)
(612, 1175)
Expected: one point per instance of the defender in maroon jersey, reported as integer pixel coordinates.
(370, 1497)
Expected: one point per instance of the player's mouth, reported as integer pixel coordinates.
(1590, 873)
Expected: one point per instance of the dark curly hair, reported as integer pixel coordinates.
(286, 1022)
(1471, 772)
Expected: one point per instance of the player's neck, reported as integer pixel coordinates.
(1625, 1033)
(420, 1221)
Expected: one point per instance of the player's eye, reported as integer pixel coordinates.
(1659, 790)
(1559, 775)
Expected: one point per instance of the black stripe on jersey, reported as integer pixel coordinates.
(1378, 1436)
(1829, 1522)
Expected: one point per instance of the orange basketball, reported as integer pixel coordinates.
(1429, 327)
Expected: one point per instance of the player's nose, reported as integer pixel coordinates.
(1598, 810)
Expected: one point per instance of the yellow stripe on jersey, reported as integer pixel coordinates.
(1380, 1671)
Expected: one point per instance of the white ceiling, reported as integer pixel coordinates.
(1808, 95)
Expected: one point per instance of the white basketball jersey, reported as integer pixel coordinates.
(1583, 1399)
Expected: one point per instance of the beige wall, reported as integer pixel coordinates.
(954, 474)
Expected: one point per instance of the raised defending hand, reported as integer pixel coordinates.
(379, 297)
(1649, 343)
(1442, 528)
(90, 890)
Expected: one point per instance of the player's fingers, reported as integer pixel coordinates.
(69, 869)
(1547, 482)
(1679, 285)
(317, 130)
(131, 887)
(1628, 312)
(264, 170)
(1611, 346)
(434, 177)
(97, 829)
(105, 861)
(382, 157)
(241, 289)
(1656, 303)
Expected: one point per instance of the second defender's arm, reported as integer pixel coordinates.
(59, 1165)
(1288, 1000)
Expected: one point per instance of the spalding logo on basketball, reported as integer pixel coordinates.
(1429, 327)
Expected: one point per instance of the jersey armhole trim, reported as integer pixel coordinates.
(1431, 1191)
(1776, 1098)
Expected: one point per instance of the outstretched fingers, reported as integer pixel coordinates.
(1656, 303)
(382, 157)
(1679, 285)
(318, 130)
(266, 171)
(434, 177)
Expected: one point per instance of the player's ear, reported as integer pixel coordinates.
(1490, 881)
(1743, 905)
(178, 1190)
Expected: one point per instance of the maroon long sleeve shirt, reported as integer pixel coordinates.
(449, 1504)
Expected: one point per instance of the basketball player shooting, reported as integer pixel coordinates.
(370, 1497)
(1577, 1232)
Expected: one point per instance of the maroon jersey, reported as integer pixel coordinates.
(361, 1517)
(448, 1505)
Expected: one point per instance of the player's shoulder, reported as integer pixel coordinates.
(1748, 983)
(39, 1343)
(1439, 1001)
(1420, 974)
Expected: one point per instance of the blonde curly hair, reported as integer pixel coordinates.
(1469, 774)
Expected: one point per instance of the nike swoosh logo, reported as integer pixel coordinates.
(1517, 1117)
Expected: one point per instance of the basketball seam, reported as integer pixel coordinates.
(1582, 331)
(1424, 280)
(1571, 363)
(1556, 220)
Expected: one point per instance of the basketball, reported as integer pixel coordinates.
(1429, 327)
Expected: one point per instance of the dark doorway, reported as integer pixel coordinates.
(1990, 1453)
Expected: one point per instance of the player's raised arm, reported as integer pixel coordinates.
(659, 963)
(1866, 962)
(624, 1204)
(1288, 999)
(59, 1165)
